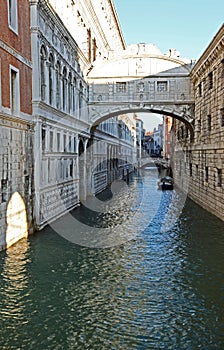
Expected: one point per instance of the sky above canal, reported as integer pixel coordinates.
(188, 26)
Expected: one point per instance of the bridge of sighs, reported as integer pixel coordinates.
(142, 79)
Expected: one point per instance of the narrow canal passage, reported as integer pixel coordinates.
(155, 286)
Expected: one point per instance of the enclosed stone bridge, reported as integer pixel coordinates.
(141, 79)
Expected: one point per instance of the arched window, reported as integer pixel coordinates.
(64, 87)
(42, 71)
(70, 92)
(80, 97)
(51, 84)
(74, 94)
(57, 68)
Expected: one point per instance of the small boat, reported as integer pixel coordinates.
(166, 183)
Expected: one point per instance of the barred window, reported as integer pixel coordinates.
(210, 80)
(209, 122)
(200, 90)
(219, 177)
(222, 116)
(121, 87)
(206, 174)
(162, 86)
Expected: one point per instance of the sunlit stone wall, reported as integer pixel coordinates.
(16, 181)
(200, 164)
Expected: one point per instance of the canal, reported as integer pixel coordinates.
(148, 274)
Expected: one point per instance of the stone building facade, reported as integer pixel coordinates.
(16, 126)
(199, 163)
(71, 160)
(51, 159)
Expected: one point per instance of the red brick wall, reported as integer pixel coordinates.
(21, 43)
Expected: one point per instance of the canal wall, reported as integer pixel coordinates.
(16, 181)
(199, 163)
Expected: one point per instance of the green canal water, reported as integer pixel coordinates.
(157, 289)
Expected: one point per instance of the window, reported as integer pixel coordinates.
(13, 15)
(200, 90)
(222, 116)
(14, 91)
(121, 87)
(210, 80)
(209, 122)
(51, 67)
(42, 72)
(43, 138)
(58, 142)
(70, 92)
(80, 97)
(57, 85)
(222, 69)
(219, 177)
(64, 91)
(162, 86)
(74, 94)
(74, 144)
(196, 167)
(65, 143)
(71, 169)
(190, 168)
(70, 143)
(206, 174)
(51, 141)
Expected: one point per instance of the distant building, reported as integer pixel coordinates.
(149, 143)
(140, 138)
(167, 122)
(158, 140)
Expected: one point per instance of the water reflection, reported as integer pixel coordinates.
(160, 290)
(14, 291)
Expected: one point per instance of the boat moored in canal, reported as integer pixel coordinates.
(166, 183)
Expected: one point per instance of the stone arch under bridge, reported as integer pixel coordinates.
(141, 79)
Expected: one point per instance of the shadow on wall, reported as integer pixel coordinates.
(16, 220)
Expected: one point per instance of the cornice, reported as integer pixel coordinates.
(111, 2)
(210, 55)
(15, 54)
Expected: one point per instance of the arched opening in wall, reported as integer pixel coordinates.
(70, 93)
(89, 165)
(82, 170)
(51, 83)
(58, 96)
(80, 97)
(64, 89)
(16, 219)
(43, 54)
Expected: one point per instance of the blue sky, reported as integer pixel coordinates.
(188, 26)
